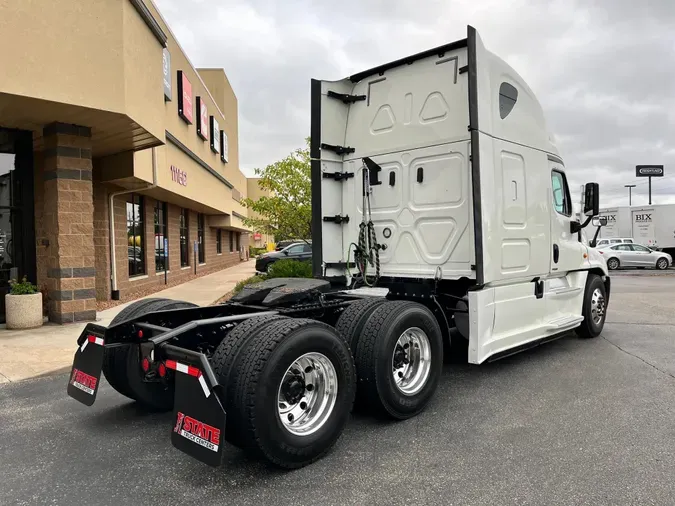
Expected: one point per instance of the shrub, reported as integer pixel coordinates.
(290, 269)
(249, 281)
(23, 287)
(254, 252)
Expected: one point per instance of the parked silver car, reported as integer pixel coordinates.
(634, 255)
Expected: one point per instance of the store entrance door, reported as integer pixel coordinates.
(17, 216)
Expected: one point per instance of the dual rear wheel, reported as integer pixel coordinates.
(290, 383)
(398, 351)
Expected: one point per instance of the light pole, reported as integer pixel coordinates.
(630, 189)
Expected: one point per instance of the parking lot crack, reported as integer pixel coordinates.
(639, 358)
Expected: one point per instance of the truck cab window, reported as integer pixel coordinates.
(561, 194)
(508, 95)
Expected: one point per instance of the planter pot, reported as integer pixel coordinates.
(23, 311)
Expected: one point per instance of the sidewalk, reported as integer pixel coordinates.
(28, 353)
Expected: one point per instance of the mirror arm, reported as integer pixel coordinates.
(575, 226)
(595, 238)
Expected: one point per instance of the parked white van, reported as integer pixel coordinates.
(614, 240)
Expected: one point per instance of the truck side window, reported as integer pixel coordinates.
(561, 193)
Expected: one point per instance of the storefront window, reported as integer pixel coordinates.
(136, 249)
(238, 240)
(200, 237)
(161, 261)
(231, 241)
(184, 235)
(219, 241)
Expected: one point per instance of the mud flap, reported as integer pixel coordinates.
(85, 375)
(198, 415)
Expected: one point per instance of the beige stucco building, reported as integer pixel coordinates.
(108, 131)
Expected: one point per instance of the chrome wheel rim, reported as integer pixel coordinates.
(307, 394)
(613, 263)
(411, 361)
(597, 306)
(662, 264)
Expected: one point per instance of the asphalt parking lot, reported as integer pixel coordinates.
(572, 422)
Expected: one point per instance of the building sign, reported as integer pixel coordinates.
(649, 170)
(257, 236)
(185, 107)
(223, 146)
(202, 119)
(167, 74)
(215, 135)
(178, 176)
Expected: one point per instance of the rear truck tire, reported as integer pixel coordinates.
(613, 264)
(227, 361)
(594, 309)
(354, 317)
(294, 392)
(115, 359)
(399, 358)
(121, 366)
(662, 264)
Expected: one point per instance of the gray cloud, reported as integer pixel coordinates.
(603, 69)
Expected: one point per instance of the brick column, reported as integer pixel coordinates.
(69, 223)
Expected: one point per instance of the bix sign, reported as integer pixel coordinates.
(646, 217)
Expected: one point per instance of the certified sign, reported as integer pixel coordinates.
(649, 170)
(167, 74)
(185, 106)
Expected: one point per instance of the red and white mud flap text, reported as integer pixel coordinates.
(199, 416)
(85, 374)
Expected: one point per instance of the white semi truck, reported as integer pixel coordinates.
(651, 226)
(434, 181)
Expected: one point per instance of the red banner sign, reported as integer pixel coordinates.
(185, 106)
(203, 119)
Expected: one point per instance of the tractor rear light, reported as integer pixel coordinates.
(162, 370)
(145, 364)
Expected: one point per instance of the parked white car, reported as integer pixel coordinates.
(634, 255)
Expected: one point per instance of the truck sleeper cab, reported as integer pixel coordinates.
(465, 188)
(442, 217)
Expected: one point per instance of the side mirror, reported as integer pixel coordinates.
(285, 252)
(592, 199)
(599, 221)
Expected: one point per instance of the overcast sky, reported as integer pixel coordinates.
(604, 70)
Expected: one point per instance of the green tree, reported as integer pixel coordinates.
(287, 212)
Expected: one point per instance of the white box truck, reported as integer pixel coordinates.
(434, 181)
(652, 226)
